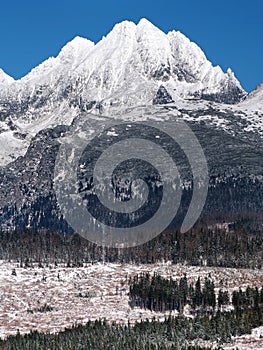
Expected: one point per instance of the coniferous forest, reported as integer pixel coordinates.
(215, 316)
(174, 333)
(240, 247)
(98, 335)
(160, 294)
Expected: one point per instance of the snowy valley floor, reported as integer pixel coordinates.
(64, 290)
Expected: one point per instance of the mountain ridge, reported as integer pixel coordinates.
(135, 73)
(165, 57)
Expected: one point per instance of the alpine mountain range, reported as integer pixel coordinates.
(135, 73)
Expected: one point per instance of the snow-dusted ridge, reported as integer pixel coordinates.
(129, 51)
(123, 70)
(254, 100)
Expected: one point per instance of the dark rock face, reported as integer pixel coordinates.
(28, 199)
(162, 96)
(233, 95)
(163, 73)
(184, 75)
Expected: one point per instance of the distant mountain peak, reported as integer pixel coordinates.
(123, 27)
(126, 68)
(76, 49)
(145, 22)
(77, 43)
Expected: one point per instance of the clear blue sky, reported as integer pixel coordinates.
(229, 31)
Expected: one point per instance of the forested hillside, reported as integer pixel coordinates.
(239, 245)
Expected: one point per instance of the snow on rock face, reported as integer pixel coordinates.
(53, 68)
(132, 66)
(154, 49)
(5, 78)
(191, 65)
(254, 101)
(106, 71)
(75, 51)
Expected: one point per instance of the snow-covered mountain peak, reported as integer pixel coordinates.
(144, 25)
(144, 22)
(122, 34)
(153, 47)
(132, 66)
(184, 50)
(232, 78)
(123, 28)
(76, 49)
(38, 72)
(69, 57)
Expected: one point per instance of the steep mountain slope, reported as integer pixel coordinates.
(141, 52)
(254, 100)
(126, 68)
(135, 73)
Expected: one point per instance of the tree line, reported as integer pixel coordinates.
(239, 248)
(161, 294)
(174, 333)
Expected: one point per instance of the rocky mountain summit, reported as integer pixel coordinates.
(135, 73)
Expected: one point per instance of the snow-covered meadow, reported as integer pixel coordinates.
(76, 295)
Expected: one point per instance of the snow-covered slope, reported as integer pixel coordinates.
(5, 79)
(133, 66)
(54, 68)
(136, 72)
(254, 100)
(135, 59)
